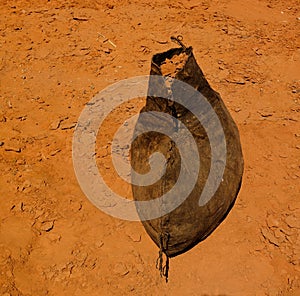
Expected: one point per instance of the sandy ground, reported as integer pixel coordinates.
(54, 59)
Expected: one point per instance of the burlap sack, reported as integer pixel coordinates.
(187, 225)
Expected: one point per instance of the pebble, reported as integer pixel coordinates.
(107, 50)
(38, 213)
(236, 81)
(292, 222)
(53, 153)
(55, 125)
(47, 226)
(120, 269)
(3, 119)
(270, 237)
(279, 234)
(288, 231)
(26, 184)
(135, 237)
(99, 244)
(9, 274)
(54, 237)
(66, 126)
(21, 162)
(75, 206)
(265, 113)
(272, 222)
(258, 51)
(22, 117)
(13, 149)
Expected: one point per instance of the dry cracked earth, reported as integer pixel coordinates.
(55, 56)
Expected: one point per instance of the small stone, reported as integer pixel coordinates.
(270, 237)
(55, 125)
(236, 81)
(3, 119)
(22, 117)
(47, 226)
(258, 51)
(237, 110)
(38, 213)
(120, 269)
(20, 161)
(272, 222)
(134, 236)
(26, 184)
(279, 234)
(21, 206)
(294, 207)
(298, 147)
(1, 144)
(54, 237)
(13, 149)
(66, 125)
(292, 222)
(287, 230)
(99, 244)
(110, 6)
(9, 274)
(53, 153)
(265, 113)
(75, 206)
(107, 50)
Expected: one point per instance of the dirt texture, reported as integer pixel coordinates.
(55, 56)
(171, 66)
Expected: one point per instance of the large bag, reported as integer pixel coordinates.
(189, 223)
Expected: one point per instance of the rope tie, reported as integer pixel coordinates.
(160, 265)
(178, 40)
(164, 237)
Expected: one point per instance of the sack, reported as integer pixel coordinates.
(192, 220)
